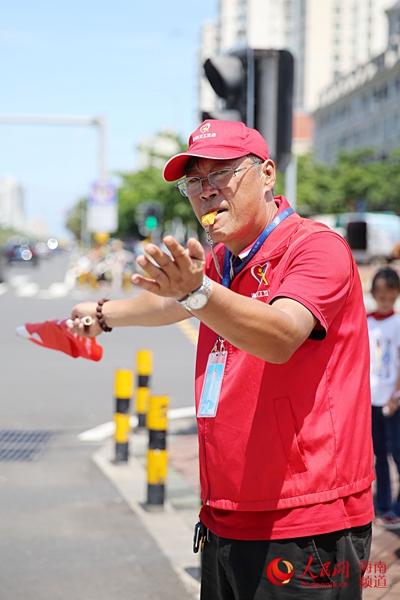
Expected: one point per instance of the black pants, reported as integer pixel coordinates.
(323, 567)
(386, 438)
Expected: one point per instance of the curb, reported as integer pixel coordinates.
(167, 528)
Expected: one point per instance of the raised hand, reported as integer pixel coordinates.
(171, 275)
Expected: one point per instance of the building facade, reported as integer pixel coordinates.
(12, 212)
(362, 109)
(327, 37)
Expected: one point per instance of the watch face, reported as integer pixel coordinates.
(197, 301)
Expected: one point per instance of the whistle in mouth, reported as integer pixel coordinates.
(209, 218)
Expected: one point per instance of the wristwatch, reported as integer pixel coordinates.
(199, 297)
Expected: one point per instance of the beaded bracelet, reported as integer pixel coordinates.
(100, 317)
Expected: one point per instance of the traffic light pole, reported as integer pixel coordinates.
(255, 86)
(291, 181)
(250, 112)
(98, 122)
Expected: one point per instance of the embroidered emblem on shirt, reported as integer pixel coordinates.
(259, 273)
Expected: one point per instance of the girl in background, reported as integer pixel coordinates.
(384, 335)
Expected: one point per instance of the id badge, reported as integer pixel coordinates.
(212, 384)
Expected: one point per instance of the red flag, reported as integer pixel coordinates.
(56, 335)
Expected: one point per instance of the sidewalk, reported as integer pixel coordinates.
(173, 528)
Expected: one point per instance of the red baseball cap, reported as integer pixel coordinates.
(217, 140)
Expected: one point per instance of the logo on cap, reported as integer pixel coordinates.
(204, 128)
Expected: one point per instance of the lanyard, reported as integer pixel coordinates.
(226, 278)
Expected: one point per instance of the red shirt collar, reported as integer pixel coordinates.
(379, 316)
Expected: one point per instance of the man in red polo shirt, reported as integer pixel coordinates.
(282, 376)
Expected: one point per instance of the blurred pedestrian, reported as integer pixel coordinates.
(282, 376)
(119, 259)
(384, 334)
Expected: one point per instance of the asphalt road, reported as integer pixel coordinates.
(64, 530)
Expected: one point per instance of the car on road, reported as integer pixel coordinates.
(2, 265)
(21, 252)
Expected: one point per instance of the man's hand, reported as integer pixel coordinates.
(173, 276)
(84, 309)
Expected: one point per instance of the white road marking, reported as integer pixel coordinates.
(27, 290)
(181, 413)
(102, 432)
(24, 288)
(56, 290)
(17, 280)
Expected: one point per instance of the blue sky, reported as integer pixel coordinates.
(133, 62)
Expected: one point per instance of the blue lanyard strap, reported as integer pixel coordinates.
(226, 278)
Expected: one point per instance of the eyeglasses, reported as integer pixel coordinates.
(192, 186)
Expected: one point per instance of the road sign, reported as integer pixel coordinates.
(102, 208)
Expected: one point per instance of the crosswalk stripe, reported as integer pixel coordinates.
(27, 290)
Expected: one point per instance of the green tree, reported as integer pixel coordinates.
(385, 194)
(75, 216)
(148, 185)
(143, 186)
(316, 187)
(356, 177)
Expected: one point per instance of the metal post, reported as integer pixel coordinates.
(291, 182)
(157, 456)
(101, 125)
(250, 93)
(123, 386)
(144, 360)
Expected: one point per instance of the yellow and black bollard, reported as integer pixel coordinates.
(144, 361)
(157, 457)
(123, 388)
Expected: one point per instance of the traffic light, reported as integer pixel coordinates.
(227, 77)
(256, 87)
(149, 216)
(151, 222)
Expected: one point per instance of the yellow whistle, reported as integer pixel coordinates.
(209, 218)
